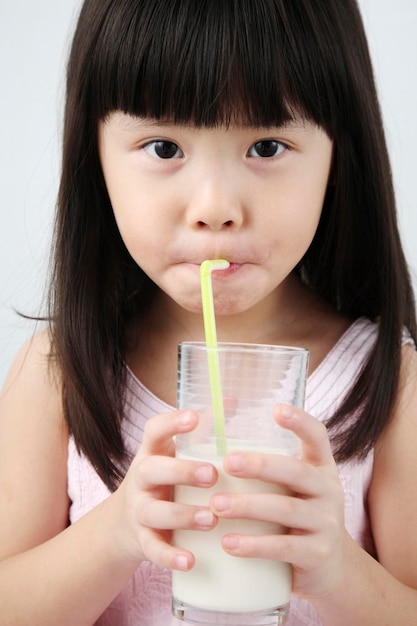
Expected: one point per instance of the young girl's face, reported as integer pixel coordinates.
(182, 194)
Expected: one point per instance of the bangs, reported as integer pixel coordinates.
(210, 62)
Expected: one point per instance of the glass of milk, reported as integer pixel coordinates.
(235, 413)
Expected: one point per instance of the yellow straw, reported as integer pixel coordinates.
(206, 268)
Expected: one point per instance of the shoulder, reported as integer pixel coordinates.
(33, 379)
(33, 450)
(393, 491)
(36, 349)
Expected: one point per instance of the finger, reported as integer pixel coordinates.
(283, 510)
(294, 474)
(157, 550)
(154, 471)
(299, 550)
(162, 515)
(296, 549)
(160, 429)
(313, 434)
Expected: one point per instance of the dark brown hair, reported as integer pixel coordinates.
(206, 63)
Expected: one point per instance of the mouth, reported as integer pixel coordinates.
(217, 274)
(232, 269)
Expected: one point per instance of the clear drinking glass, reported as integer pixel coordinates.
(250, 379)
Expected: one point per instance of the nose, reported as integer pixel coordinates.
(216, 203)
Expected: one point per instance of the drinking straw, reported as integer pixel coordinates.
(206, 268)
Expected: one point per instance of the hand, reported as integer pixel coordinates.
(313, 513)
(146, 514)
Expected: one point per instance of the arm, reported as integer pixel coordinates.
(345, 584)
(43, 567)
(52, 573)
(385, 592)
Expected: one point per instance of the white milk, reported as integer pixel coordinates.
(218, 581)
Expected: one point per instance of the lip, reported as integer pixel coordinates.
(232, 269)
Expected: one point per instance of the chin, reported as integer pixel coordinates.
(191, 305)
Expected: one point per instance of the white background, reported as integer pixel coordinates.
(34, 41)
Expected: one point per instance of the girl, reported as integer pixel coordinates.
(194, 130)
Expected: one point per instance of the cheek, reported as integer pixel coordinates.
(136, 216)
(294, 220)
(138, 236)
(310, 191)
(296, 237)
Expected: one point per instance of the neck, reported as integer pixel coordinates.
(292, 315)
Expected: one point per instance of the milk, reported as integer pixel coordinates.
(218, 581)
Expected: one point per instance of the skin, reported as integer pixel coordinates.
(218, 200)
(215, 198)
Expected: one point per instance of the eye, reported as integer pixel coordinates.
(267, 148)
(163, 149)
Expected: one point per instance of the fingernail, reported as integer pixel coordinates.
(231, 542)
(286, 411)
(184, 418)
(181, 562)
(204, 474)
(204, 518)
(235, 462)
(221, 502)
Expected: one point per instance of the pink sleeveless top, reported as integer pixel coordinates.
(146, 599)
